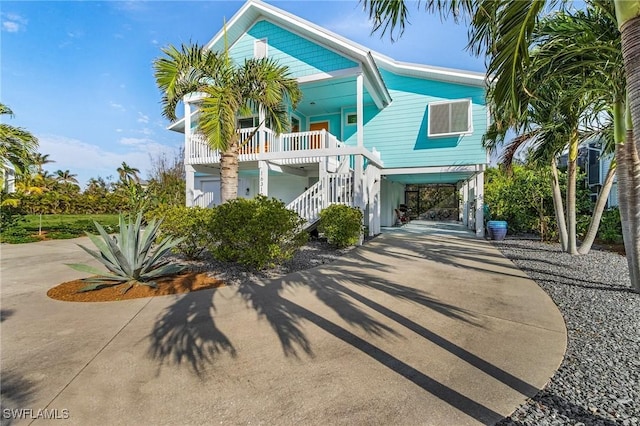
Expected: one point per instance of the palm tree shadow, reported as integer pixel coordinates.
(286, 317)
(266, 300)
(186, 332)
(15, 393)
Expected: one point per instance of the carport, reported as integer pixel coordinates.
(468, 181)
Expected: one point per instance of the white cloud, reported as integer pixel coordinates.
(117, 106)
(136, 141)
(143, 118)
(89, 160)
(10, 27)
(13, 23)
(155, 42)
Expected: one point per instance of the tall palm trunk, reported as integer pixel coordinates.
(558, 206)
(229, 173)
(628, 15)
(629, 202)
(601, 202)
(572, 173)
(630, 34)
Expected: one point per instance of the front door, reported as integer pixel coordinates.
(316, 141)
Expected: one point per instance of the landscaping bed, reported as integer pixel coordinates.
(598, 382)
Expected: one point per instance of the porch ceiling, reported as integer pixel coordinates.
(429, 178)
(328, 96)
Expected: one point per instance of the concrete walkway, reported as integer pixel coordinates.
(423, 325)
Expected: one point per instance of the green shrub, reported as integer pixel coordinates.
(134, 257)
(260, 232)
(524, 199)
(610, 230)
(192, 223)
(16, 235)
(342, 225)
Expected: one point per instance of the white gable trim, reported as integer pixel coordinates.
(253, 10)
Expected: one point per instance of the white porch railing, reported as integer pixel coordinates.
(330, 189)
(198, 150)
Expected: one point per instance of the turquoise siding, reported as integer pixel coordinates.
(399, 131)
(349, 130)
(299, 54)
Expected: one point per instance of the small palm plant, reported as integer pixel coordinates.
(132, 257)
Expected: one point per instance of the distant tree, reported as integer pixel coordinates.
(40, 160)
(128, 174)
(66, 177)
(167, 184)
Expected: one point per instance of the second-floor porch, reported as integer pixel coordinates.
(262, 144)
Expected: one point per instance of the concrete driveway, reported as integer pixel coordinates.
(422, 325)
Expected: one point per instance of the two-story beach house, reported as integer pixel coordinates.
(366, 127)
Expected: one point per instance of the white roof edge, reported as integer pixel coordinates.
(447, 74)
(444, 74)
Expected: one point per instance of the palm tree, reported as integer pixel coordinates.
(40, 160)
(66, 177)
(228, 91)
(17, 146)
(128, 174)
(504, 30)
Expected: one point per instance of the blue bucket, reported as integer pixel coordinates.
(497, 229)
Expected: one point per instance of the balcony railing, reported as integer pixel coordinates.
(263, 141)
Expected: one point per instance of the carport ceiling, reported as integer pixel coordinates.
(428, 178)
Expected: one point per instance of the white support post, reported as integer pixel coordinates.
(322, 167)
(465, 203)
(360, 109)
(459, 187)
(187, 129)
(480, 205)
(263, 188)
(190, 183)
(262, 135)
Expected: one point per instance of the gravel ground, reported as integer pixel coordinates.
(598, 383)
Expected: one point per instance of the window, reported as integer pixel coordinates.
(449, 118)
(248, 122)
(260, 48)
(352, 118)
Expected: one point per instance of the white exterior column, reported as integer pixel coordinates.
(360, 109)
(187, 129)
(480, 204)
(261, 133)
(190, 183)
(465, 203)
(263, 184)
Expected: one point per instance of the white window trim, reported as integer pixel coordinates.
(346, 119)
(451, 101)
(266, 47)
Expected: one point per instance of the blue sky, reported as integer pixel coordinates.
(79, 75)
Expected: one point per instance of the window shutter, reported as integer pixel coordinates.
(439, 117)
(449, 118)
(260, 48)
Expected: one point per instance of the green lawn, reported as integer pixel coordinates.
(58, 226)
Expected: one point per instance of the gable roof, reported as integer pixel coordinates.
(253, 10)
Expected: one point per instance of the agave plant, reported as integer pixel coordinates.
(133, 257)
